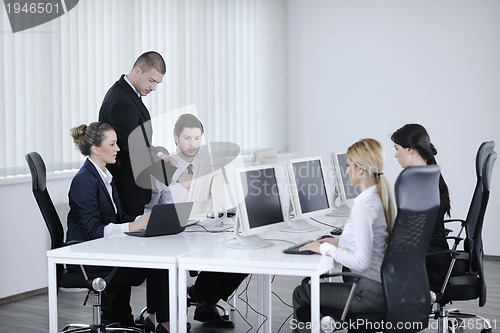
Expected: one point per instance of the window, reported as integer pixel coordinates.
(227, 58)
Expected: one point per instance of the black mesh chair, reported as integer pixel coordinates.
(95, 282)
(469, 223)
(403, 271)
(465, 279)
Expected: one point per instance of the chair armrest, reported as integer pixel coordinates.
(456, 239)
(354, 276)
(454, 253)
(454, 220)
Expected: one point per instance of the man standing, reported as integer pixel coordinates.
(123, 109)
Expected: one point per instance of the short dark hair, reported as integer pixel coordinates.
(187, 120)
(151, 59)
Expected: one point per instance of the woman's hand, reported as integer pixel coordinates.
(313, 246)
(141, 223)
(331, 240)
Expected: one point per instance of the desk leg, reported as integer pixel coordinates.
(182, 300)
(315, 320)
(265, 302)
(52, 296)
(172, 296)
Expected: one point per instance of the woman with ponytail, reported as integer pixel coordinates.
(361, 247)
(414, 147)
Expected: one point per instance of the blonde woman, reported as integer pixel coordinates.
(361, 247)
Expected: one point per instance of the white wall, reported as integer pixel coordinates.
(365, 68)
(24, 239)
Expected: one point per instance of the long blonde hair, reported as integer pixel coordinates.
(368, 154)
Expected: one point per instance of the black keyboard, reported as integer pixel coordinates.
(294, 249)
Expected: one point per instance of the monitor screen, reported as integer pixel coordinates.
(259, 206)
(203, 192)
(262, 203)
(308, 187)
(344, 188)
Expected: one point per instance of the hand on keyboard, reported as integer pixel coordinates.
(294, 249)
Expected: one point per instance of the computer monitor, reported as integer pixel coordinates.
(207, 192)
(308, 191)
(344, 192)
(265, 156)
(259, 206)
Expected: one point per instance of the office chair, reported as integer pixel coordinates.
(403, 272)
(467, 282)
(473, 213)
(95, 282)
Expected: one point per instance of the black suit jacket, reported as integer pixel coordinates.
(124, 110)
(91, 208)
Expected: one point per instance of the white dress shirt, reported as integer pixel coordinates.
(175, 192)
(362, 244)
(112, 228)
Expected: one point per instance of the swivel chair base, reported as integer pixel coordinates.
(449, 321)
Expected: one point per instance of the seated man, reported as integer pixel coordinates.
(209, 287)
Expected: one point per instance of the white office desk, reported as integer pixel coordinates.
(127, 251)
(265, 262)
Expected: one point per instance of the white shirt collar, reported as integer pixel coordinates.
(367, 192)
(106, 176)
(126, 79)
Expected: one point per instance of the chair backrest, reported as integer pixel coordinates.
(476, 252)
(42, 197)
(404, 274)
(485, 149)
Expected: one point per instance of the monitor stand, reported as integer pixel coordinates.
(343, 210)
(300, 225)
(297, 225)
(246, 242)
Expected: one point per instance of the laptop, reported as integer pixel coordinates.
(166, 219)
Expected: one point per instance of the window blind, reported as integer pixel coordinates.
(227, 58)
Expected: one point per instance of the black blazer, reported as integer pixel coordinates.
(91, 208)
(124, 110)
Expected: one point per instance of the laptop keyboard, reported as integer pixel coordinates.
(294, 249)
(136, 233)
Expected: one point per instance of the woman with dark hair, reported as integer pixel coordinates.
(96, 212)
(414, 147)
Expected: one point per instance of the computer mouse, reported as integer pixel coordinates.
(325, 236)
(336, 231)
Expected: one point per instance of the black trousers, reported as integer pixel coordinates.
(368, 297)
(116, 298)
(211, 287)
